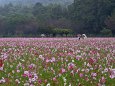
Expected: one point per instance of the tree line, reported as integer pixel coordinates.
(92, 17)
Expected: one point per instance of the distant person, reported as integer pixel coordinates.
(84, 36)
(42, 35)
(79, 36)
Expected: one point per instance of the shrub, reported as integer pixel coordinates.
(62, 32)
(106, 32)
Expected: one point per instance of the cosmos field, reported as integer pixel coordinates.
(57, 62)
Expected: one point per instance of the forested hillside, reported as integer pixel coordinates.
(92, 17)
(31, 2)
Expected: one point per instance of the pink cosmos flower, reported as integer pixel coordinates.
(71, 66)
(1, 62)
(86, 79)
(18, 71)
(81, 75)
(29, 75)
(86, 70)
(53, 59)
(31, 66)
(112, 75)
(62, 70)
(106, 70)
(91, 61)
(99, 84)
(47, 60)
(78, 58)
(39, 81)
(1, 68)
(24, 75)
(45, 81)
(4, 56)
(102, 80)
(2, 80)
(93, 74)
(35, 76)
(54, 79)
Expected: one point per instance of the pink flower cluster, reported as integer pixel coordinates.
(57, 61)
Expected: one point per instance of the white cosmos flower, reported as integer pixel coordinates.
(26, 84)
(1, 68)
(48, 84)
(11, 66)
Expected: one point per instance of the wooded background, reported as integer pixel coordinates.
(92, 17)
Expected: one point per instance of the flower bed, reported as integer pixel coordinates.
(57, 62)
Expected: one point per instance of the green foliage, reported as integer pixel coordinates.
(89, 14)
(110, 22)
(106, 32)
(45, 30)
(61, 31)
(82, 16)
(31, 2)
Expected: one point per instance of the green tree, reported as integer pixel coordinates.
(110, 22)
(106, 32)
(89, 15)
(39, 11)
(20, 24)
(62, 31)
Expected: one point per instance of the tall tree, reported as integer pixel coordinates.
(110, 22)
(90, 15)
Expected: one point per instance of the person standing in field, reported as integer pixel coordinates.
(84, 36)
(79, 36)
